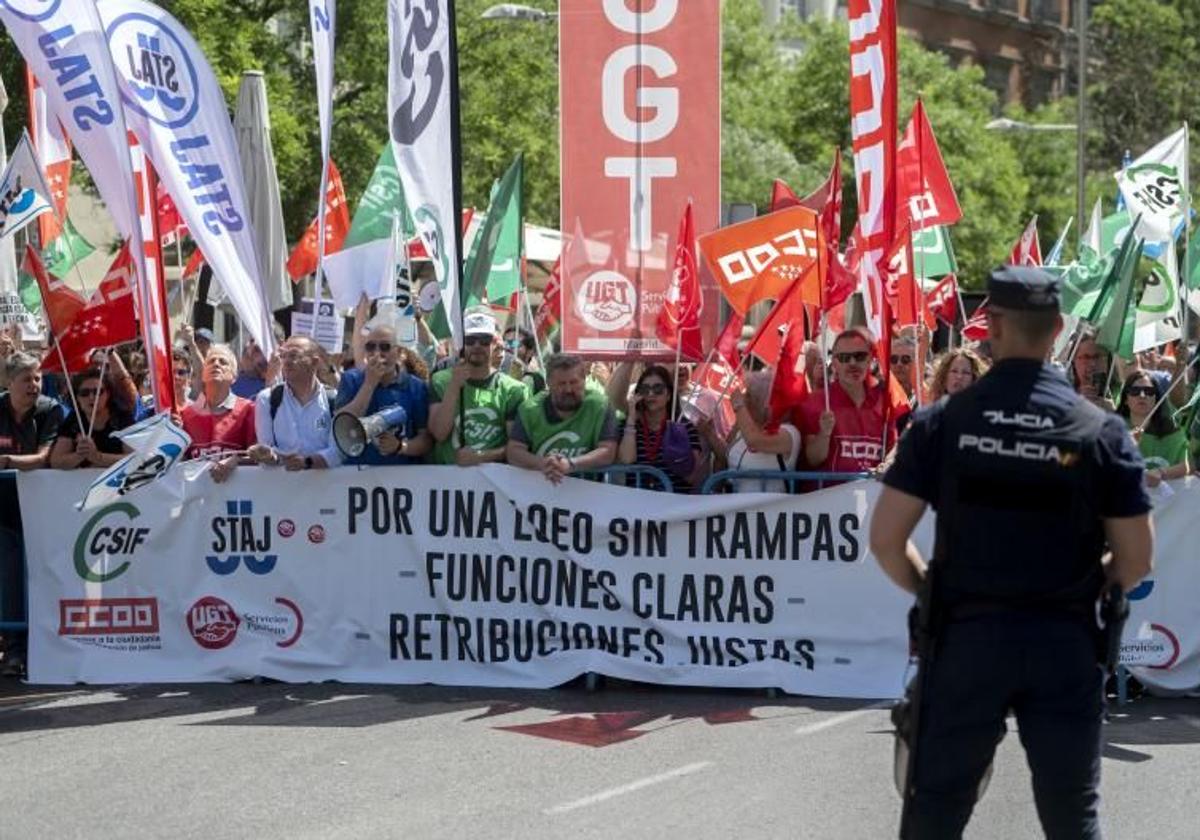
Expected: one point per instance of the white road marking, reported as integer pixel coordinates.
(838, 720)
(612, 793)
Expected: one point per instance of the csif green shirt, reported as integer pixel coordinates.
(484, 411)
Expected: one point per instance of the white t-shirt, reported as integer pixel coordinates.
(741, 458)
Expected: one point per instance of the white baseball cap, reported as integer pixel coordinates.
(479, 323)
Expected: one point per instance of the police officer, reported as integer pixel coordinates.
(1029, 482)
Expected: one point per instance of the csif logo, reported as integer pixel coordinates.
(566, 443)
(103, 538)
(157, 69)
(241, 538)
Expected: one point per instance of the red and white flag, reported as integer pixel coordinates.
(61, 302)
(678, 324)
(903, 290)
(976, 328)
(169, 220)
(151, 297)
(303, 260)
(107, 320)
(942, 299)
(1027, 251)
(926, 196)
(549, 311)
(52, 148)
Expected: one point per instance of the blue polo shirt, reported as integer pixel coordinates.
(409, 392)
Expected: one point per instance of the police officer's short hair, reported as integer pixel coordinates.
(20, 362)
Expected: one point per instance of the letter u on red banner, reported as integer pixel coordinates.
(641, 134)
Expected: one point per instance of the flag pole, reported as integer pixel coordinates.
(824, 357)
(1184, 288)
(66, 372)
(103, 367)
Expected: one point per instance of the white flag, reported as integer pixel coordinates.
(158, 445)
(177, 110)
(421, 67)
(1158, 310)
(323, 17)
(24, 194)
(63, 43)
(1156, 187)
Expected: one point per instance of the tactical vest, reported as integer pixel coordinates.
(572, 437)
(1018, 520)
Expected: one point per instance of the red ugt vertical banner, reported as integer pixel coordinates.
(873, 130)
(641, 135)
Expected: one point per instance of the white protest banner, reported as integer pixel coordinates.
(422, 110)
(13, 311)
(177, 110)
(329, 329)
(487, 576)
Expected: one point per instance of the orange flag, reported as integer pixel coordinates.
(303, 260)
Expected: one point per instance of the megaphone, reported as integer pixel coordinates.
(352, 434)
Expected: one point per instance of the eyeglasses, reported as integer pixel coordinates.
(476, 340)
(380, 346)
(1135, 391)
(858, 357)
(84, 393)
(656, 389)
(902, 359)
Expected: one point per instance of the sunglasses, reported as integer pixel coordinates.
(858, 357)
(380, 346)
(84, 393)
(183, 371)
(1138, 391)
(476, 340)
(657, 390)
(901, 359)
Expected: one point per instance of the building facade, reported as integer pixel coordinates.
(1025, 47)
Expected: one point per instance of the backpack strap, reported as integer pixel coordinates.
(276, 400)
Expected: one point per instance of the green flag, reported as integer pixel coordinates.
(1118, 322)
(1087, 279)
(1192, 278)
(933, 255)
(381, 200)
(27, 288)
(504, 211)
(65, 250)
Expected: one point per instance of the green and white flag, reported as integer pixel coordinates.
(1115, 313)
(493, 268)
(65, 250)
(933, 255)
(1156, 187)
(1158, 312)
(355, 269)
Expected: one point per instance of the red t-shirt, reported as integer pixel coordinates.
(857, 441)
(226, 431)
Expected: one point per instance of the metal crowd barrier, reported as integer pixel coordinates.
(645, 477)
(11, 568)
(725, 478)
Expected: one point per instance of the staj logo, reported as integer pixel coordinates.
(156, 66)
(104, 538)
(241, 538)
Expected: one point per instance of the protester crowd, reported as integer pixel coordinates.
(496, 403)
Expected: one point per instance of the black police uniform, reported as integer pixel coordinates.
(1021, 471)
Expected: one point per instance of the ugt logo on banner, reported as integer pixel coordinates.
(160, 71)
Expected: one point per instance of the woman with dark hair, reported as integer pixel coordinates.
(1163, 445)
(73, 448)
(652, 438)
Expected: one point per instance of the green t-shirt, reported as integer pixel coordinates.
(1164, 451)
(485, 408)
(575, 436)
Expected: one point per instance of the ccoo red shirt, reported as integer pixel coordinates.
(223, 431)
(857, 441)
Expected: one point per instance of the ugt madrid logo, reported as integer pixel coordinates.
(107, 542)
(157, 67)
(241, 537)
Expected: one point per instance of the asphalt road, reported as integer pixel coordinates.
(628, 761)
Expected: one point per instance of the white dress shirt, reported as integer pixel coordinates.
(300, 429)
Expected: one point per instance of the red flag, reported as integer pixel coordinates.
(790, 385)
(925, 194)
(107, 319)
(904, 297)
(194, 264)
(303, 260)
(61, 302)
(549, 311)
(53, 150)
(976, 328)
(727, 341)
(782, 196)
(679, 319)
(786, 318)
(942, 300)
(720, 378)
(169, 220)
(1027, 251)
